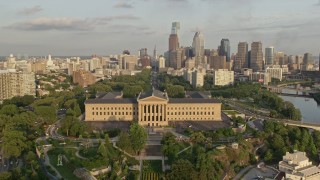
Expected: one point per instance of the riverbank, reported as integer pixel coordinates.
(316, 97)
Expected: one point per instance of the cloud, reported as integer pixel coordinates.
(44, 24)
(317, 4)
(31, 11)
(123, 5)
(66, 23)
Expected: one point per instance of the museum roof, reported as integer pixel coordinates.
(192, 100)
(112, 101)
(153, 92)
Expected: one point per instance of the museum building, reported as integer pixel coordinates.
(153, 108)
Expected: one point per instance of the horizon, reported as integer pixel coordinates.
(110, 27)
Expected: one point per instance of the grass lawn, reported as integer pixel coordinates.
(65, 172)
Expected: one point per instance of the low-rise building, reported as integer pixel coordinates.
(297, 166)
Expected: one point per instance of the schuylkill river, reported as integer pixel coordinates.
(309, 108)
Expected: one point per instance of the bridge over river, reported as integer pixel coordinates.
(302, 124)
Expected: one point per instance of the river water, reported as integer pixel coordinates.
(309, 108)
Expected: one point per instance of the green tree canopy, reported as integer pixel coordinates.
(138, 137)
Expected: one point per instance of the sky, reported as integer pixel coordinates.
(106, 27)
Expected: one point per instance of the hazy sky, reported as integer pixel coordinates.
(103, 27)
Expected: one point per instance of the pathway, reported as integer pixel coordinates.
(47, 163)
(243, 172)
(184, 149)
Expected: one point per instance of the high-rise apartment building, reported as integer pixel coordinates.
(198, 44)
(16, 84)
(225, 49)
(223, 77)
(269, 55)
(256, 56)
(241, 60)
(275, 72)
(198, 78)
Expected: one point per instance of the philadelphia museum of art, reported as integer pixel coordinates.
(153, 108)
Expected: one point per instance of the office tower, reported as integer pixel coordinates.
(242, 56)
(308, 59)
(291, 59)
(280, 58)
(217, 62)
(173, 42)
(155, 54)
(188, 52)
(83, 78)
(143, 52)
(176, 57)
(269, 55)
(175, 28)
(256, 61)
(223, 77)
(308, 62)
(128, 62)
(16, 84)
(224, 49)
(198, 44)
(145, 61)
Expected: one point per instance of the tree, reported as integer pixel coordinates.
(46, 114)
(124, 141)
(9, 110)
(182, 170)
(102, 150)
(198, 137)
(170, 147)
(138, 137)
(175, 91)
(13, 143)
(106, 139)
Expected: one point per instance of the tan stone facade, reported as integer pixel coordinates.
(155, 109)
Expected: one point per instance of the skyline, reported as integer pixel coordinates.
(109, 27)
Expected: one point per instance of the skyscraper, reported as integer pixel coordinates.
(256, 61)
(308, 59)
(269, 55)
(198, 44)
(175, 28)
(225, 49)
(173, 42)
(241, 60)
